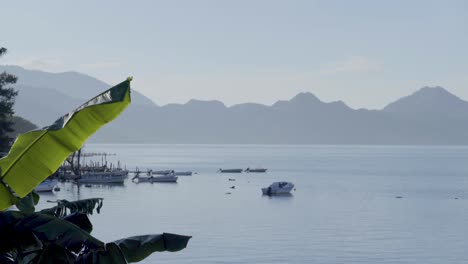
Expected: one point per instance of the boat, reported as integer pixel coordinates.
(164, 178)
(46, 186)
(230, 170)
(258, 170)
(160, 178)
(183, 173)
(115, 176)
(162, 172)
(278, 188)
(170, 177)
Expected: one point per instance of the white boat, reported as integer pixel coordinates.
(46, 186)
(278, 188)
(183, 173)
(116, 176)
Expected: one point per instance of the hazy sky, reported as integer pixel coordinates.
(366, 53)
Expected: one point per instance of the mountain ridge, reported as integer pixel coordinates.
(428, 116)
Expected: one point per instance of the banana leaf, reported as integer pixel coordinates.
(64, 207)
(137, 248)
(27, 234)
(28, 203)
(80, 220)
(54, 253)
(110, 254)
(37, 154)
(37, 236)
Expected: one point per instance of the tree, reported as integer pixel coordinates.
(7, 100)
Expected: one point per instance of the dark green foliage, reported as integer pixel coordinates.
(138, 248)
(111, 254)
(28, 235)
(7, 100)
(62, 234)
(27, 204)
(81, 220)
(54, 253)
(85, 206)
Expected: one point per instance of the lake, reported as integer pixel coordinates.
(344, 208)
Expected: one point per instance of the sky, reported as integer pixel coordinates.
(365, 53)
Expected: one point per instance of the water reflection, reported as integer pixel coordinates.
(279, 196)
(48, 195)
(99, 185)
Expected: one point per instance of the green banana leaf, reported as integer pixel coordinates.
(64, 207)
(137, 248)
(28, 234)
(37, 236)
(37, 154)
(28, 203)
(81, 220)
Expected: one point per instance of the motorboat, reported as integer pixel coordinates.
(257, 170)
(46, 186)
(183, 173)
(115, 176)
(230, 170)
(164, 178)
(160, 178)
(176, 173)
(171, 177)
(162, 172)
(277, 188)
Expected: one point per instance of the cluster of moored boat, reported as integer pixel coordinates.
(118, 175)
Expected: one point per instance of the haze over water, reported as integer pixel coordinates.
(344, 210)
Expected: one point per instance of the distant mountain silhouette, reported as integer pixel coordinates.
(73, 84)
(434, 101)
(429, 116)
(21, 125)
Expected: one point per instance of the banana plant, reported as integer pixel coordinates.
(37, 154)
(62, 234)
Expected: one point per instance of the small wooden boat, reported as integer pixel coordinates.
(257, 170)
(230, 170)
(161, 178)
(162, 172)
(171, 177)
(183, 173)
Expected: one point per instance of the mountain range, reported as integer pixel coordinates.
(431, 115)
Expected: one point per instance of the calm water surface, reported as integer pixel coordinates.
(344, 209)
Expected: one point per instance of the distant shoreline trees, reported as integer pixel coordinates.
(7, 100)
